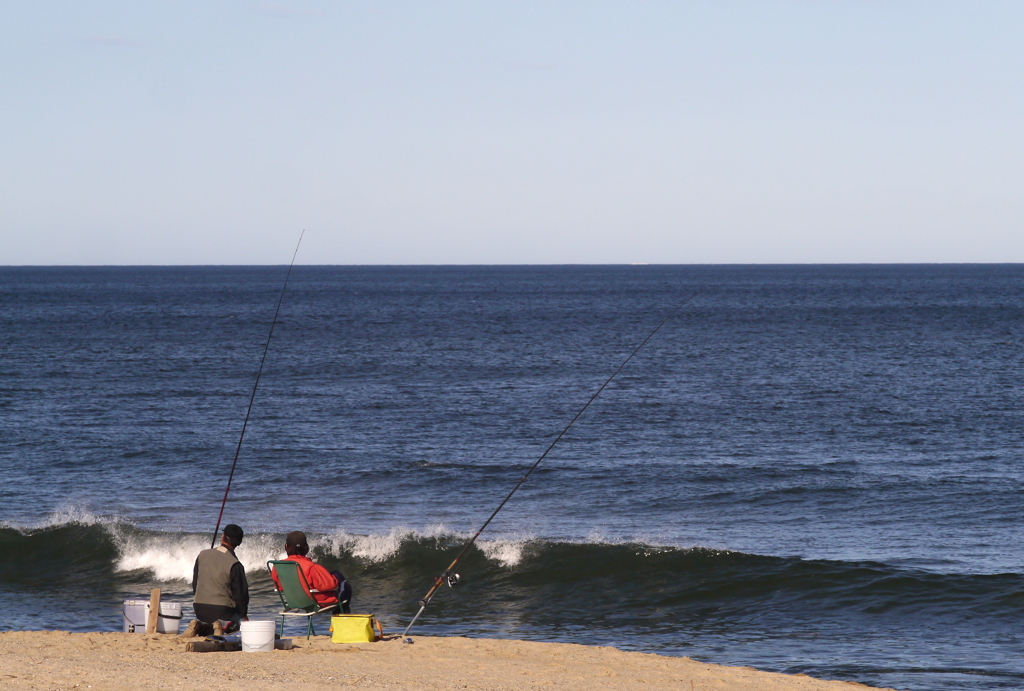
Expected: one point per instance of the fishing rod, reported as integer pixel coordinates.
(453, 578)
(238, 450)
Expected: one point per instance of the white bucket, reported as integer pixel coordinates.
(169, 620)
(135, 614)
(258, 636)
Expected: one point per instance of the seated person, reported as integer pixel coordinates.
(326, 587)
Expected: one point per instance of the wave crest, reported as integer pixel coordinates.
(508, 553)
(77, 550)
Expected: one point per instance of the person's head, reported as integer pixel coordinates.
(296, 543)
(232, 535)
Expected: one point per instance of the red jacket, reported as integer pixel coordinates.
(317, 577)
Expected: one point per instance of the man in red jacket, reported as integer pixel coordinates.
(328, 587)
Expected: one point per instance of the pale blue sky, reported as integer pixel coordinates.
(213, 132)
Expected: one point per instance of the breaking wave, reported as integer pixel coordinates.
(101, 545)
(565, 579)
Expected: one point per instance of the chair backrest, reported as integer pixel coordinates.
(294, 589)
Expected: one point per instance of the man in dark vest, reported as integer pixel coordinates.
(219, 584)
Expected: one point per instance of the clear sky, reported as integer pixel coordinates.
(213, 132)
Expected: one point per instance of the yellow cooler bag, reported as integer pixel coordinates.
(355, 628)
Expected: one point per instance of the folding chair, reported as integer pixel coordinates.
(296, 595)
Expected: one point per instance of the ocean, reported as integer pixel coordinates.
(809, 469)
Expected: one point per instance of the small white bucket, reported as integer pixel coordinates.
(258, 636)
(169, 620)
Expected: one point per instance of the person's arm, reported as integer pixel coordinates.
(195, 575)
(240, 589)
(321, 579)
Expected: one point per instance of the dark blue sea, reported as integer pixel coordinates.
(811, 469)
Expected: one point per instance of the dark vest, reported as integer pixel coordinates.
(213, 586)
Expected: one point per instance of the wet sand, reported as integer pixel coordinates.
(117, 661)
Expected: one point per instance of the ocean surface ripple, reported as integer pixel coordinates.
(811, 469)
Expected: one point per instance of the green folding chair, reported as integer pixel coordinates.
(296, 595)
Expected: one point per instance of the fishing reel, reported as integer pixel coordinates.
(453, 579)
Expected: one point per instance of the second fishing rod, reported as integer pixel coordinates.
(448, 575)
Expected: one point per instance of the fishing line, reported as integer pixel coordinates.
(238, 450)
(450, 578)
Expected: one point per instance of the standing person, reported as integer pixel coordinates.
(327, 587)
(220, 587)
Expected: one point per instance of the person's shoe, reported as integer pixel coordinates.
(218, 628)
(192, 630)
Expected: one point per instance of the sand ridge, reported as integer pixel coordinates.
(48, 660)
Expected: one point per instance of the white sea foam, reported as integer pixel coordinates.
(372, 548)
(375, 548)
(73, 515)
(65, 515)
(508, 553)
(171, 556)
(378, 548)
(381, 547)
(256, 550)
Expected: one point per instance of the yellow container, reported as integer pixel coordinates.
(355, 628)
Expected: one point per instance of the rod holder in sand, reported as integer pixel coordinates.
(154, 610)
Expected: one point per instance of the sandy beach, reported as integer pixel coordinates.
(117, 661)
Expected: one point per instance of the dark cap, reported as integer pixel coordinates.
(296, 543)
(233, 534)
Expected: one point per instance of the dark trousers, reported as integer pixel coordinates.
(211, 613)
(344, 592)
